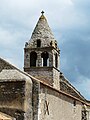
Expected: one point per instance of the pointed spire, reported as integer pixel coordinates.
(42, 32)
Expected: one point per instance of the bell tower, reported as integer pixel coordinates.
(42, 55)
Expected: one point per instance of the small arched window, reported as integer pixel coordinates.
(33, 58)
(38, 43)
(45, 57)
(56, 60)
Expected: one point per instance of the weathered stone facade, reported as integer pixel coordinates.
(41, 92)
(56, 106)
(71, 103)
(15, 94)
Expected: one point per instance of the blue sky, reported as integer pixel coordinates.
(70, 23)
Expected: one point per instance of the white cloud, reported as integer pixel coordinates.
(8, 38)
(83, 84)
(5, 37)
(18, 10)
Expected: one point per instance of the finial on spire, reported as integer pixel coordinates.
(42, 17)
(42, 12)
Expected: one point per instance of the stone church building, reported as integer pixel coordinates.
(40, 92)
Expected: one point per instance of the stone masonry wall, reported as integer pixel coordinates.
(28, 109)
(35, 99)
(56, 79)
(49, 74)
(16, 99)
(56, 106)
(12, 99)
(45, 74)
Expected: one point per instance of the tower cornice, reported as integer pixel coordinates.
(41, 49)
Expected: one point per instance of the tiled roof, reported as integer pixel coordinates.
(13, 74)
(66, 86)
(5, 65)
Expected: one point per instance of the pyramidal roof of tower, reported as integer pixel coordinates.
(42, 32)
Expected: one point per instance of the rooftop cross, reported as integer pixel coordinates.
(42, 12)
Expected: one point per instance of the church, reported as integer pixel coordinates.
(41, 91)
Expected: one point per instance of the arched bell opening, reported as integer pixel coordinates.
(33, 58)
(45, 57)
(56, 60)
